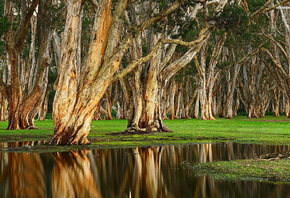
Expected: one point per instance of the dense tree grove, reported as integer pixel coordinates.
(141, 60)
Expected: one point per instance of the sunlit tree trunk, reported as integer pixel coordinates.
(73, 110)
(75, 101)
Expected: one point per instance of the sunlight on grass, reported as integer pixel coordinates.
(267, 130)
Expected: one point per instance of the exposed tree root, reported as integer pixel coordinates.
(64, 140)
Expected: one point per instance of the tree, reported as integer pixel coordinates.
(149, 81)
(25, 91)
(279, 54)
(78, 93)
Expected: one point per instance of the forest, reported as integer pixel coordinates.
(146, 61)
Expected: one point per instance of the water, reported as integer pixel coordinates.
(130, 172)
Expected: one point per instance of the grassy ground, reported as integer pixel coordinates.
(268, 130)
(276, 171)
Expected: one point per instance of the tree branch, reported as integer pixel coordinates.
(280, 47)
(24, 25)
(261, 10)
(265, 9)
(278, 66)
(204, 32)
(137, 62)
(120, 51)
(169, 71)
(159, 17)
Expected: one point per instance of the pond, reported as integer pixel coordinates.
(164, 171)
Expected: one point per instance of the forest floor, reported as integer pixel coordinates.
(106, 134)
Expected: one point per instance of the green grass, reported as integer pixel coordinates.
(253, 170)
(268, 130)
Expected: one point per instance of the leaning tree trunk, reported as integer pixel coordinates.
(70, 127)
(32, 102)
(75, 104)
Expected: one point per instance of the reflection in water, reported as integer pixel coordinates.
(72, 175)
(147, 178)
(22, 174)
(133, 172)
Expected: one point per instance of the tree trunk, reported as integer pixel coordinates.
(24, 98)
(74, 104)
(33, 101)
(196, 107)
(171, 100)
(97, 113)
(109, 103)
(237, 105)
(43, 110)
(3, 107)
(231, 91)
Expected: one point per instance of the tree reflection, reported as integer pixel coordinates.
(167, 171)
(147, 177)
(164, 171)
(72, 175)
(22, 174)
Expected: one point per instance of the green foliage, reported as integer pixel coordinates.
(2, 48)
(233, 19)
(56, 13)
(4, 23)
(255, 5)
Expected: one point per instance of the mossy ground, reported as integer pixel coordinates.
(275, 171)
